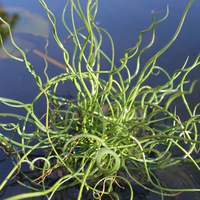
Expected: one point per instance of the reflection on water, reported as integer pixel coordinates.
(11, 19)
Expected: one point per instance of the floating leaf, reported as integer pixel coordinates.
(29, 22)
(25, 26)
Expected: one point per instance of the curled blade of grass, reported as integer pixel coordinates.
(27, 64)
(110, 170)
(133, 92)
(98, 137)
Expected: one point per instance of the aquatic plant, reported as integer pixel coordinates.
(113, 131)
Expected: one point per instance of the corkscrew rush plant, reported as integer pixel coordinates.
(111, 133)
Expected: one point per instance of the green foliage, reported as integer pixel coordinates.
(112, 132)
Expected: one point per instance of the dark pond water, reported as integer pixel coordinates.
(123, 19)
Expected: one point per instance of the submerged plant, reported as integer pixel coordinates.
(113, 131)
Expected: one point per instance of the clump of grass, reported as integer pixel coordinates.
(110, 133)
